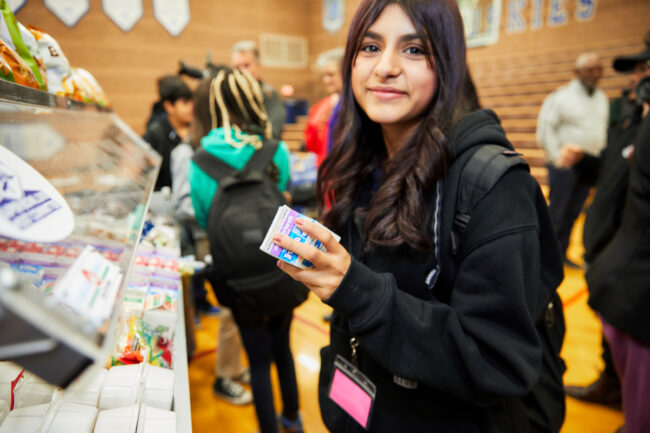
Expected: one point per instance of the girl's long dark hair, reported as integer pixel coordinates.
(397, 214)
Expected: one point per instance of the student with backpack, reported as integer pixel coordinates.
(446, 316)
(236, 179)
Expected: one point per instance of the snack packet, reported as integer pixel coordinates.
(53, 58)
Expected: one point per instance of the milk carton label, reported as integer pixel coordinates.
(90, 286)
(285, 223)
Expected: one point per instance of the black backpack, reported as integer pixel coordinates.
(477, 174)
(242, 210)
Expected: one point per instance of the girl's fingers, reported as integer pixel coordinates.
(307, 252)
(319, 232)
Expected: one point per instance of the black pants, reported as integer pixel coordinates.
(566, 198)
(267, 340)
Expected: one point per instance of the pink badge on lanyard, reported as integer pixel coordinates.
(352, 391)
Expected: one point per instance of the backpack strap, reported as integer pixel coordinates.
(212, 166)
(479, 175)
(474, 174)
(262, 157)
(219, 170)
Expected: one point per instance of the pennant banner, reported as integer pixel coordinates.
(333, 15)
(173, 15)
(481, 19)
(124, 13)
(68, 11)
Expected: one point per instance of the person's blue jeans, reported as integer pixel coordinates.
(267, 340)
(566, 198)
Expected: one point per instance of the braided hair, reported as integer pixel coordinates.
(232, 99)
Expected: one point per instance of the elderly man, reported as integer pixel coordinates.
(246, 56)
(575, 114)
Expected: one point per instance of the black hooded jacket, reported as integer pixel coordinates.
(619, 278)
(468, 360)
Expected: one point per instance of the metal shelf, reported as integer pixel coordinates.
(22, 94)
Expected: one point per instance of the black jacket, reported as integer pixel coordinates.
(163, 138)
(473, 357)
(609, 172)
(619, 278)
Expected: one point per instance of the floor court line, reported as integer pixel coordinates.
(575, 297)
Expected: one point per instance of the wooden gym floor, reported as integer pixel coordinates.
(309, 333)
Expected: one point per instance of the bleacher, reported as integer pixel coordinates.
(515, 85)
(294, 133)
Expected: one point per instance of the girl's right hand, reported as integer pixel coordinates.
(329, 268)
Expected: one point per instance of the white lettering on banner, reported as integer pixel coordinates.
(124, 13)
(491, 19)
(557, 15)
(481, 19)
(516, 22)
(68, 11)
(585, 10)
(536, 22)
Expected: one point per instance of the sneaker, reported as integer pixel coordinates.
(290, 426)
(244, 377)
(231, 391)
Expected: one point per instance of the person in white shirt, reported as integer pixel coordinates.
(575, 114)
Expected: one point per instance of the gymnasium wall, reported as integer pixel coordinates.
(127, 64)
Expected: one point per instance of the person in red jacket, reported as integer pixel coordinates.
(317, 130)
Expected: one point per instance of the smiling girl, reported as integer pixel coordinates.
(424, 339)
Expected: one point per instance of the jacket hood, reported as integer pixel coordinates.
(476, 128)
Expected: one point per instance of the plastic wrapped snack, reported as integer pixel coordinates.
(15, 69)
(12, 37)
(97, 94)
(76, 88)
(54, 60)
(32, 46)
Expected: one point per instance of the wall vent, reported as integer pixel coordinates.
(281, 51)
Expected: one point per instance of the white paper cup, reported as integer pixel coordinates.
(154, 420)
(24, 420)
(158, 387)
(89, 394)
(123, 420)
(73, 418)
(121, 387)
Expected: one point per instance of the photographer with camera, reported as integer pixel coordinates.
(613, 238)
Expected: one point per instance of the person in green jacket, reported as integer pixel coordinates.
(231, 119)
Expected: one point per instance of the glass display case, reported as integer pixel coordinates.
(52, 323)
